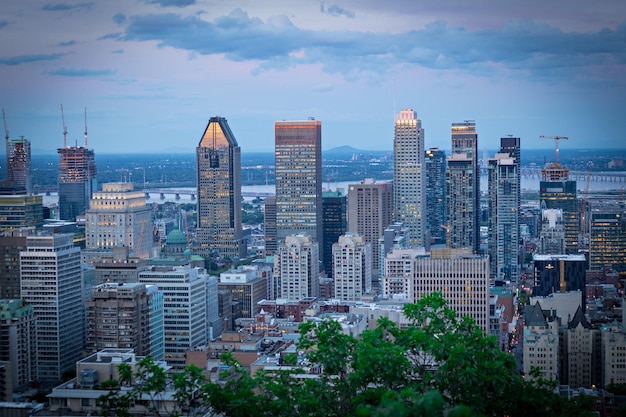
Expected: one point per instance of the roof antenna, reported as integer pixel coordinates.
(64, 128)
(86, 128)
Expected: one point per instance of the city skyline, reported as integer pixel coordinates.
(148, 71)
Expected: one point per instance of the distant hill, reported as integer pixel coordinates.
(346, 149)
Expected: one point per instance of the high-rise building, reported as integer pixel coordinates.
(395, 236)
(370, 212)
(607, 243)
(12, 242)
(504, 206)
(52, 282)
(541, 343)
(352, 267)
(463, 188)
(247, 285)
(335, 224)
(19, 164)
(218, 163)
(559, 274)
(118, 316)
(118, 267)
(557, 191)
(552, 233)
(409, 178)
(18, 340)
(296, 268)
(269, 226)
(184, 305)
(298, 154)
(118, 217)
(77, 180)
(19, 210)
(435, 164)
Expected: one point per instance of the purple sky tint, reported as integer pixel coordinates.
(152, 72)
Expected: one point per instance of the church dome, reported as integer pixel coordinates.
(176, 237)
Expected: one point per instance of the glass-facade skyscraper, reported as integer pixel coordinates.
(298, 156)
(463, 188)
(77, 181)
(409, 183)
(557, 191)
(218, 163)
(435, 163)
(19, 164)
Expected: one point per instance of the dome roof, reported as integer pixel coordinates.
(176, 237)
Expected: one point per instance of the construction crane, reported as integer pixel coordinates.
(556, 139)
(64, 128)
(86, 146)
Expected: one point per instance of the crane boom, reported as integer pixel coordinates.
(64, 128)
(6, 129)
(86, 145)
(556, 139)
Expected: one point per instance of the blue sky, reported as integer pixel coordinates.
(152, 72)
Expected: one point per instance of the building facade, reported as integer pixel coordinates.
(409, 178)
(19, 164)
(370, 212)
(504, 205)
(352, 266)
(552, 233)
(607, 242)
(435, 165)
(335, 215)
(52, 283)
(18, 210)
(77, 180)
(298, 159)
(118, 217)
(557, 191)
(18, 340)
(12, 242)
(559, 274)
(218, 163)
(247, 285)
(296, 268)
(463, 188)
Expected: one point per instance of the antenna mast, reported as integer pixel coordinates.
(556, 139)
(86, 128)
(64, 128)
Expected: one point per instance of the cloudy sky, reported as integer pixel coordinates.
(152, 72)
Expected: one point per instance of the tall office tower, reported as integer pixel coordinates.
(19, 210)
(298, 153)
(370, 212)
(218, 163)
(607, 243)
(296, 268)
(77, 180)
(395, 236)
(12, 242)
(463, 188)
(118, 316)
(214, 322)
(185, 317)
(18, 340)
(118, 217)
(157, 331)
(552, 232)
(435, 163)
(557, 191)
(247, 286)
(269, 226)
(19, 165)
(52, 283)
(559, 274)
(409, 178)
(335, 214)
(504, 204)
(352, 266)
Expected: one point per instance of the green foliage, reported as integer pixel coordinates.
(441, 365)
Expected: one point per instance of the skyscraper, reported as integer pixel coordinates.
(370, 206)
(269, 225)
(298, 155)
(435, 165)
(409, 183)
(52, 283)
(218, 162)
(557, 191)
(18, 340)
(463, 188)
(335, 215)
(504, 204)
(352, 267)
(118, 217)
(19, 165)
(296, 268)
(607, 243)
(77, 180)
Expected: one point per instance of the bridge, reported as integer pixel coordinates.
(618, 176)
(191, 193)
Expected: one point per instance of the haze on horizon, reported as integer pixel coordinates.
(152, 72)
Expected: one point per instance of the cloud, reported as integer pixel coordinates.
(57, 7)
(118, 51)
(67, 43)
(119, 18)
(336, 11)
(81, 72)
(26, 59)
(174, 3)
(322, 88)
(115, 36)
(534, 48)
(3, 23)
